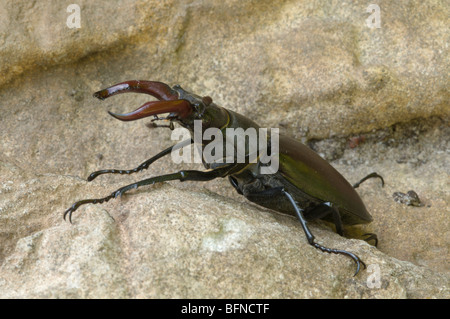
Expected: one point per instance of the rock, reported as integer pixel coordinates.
(315, 68)
(201, 245)
(319, 64)
(40, 33)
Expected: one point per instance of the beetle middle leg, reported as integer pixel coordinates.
(310, 237)
(321, 210)
(142, 166)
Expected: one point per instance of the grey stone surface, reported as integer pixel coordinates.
(201, 245)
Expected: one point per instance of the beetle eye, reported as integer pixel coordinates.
(206, 100)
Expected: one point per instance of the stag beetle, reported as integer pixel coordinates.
(305, 185)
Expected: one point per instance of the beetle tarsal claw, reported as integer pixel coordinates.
(355, 258)
(69, 211)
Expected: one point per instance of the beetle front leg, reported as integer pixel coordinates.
(310, 236)
(142, 166)
(188, 175)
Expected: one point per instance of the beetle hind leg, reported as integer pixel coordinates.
(371, 175)
(371, 236)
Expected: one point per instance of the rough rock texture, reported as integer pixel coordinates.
(313, 68)
(154, 246)
(306, 60)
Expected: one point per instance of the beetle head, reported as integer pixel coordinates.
(181, 106)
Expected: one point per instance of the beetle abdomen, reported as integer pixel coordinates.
(307, 171)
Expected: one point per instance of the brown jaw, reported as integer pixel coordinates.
(169, 104)
(157, 89)
(181, 107)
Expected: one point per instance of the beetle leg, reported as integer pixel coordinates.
(188, 175)
(157, 89)
(336, 218)
(371, 175)
(318, 212)
(235, 184)
(144, 165)
(310, 236)
(325, 209)
(372, 236)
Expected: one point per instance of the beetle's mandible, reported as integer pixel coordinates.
(305, 185)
